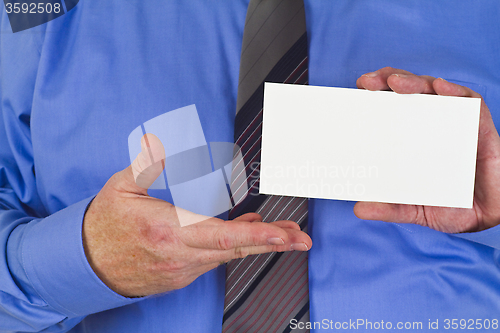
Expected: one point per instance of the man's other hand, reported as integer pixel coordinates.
(136, 246)
(485, 212)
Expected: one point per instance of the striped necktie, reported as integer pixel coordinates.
(264, 292)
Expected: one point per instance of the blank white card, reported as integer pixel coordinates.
(352, 144)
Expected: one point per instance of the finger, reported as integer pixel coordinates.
(227, 235)
(187, 218)
(411, 84)
(150, 162)
(444, 219)
(298, 241)
(287, 225)
(378, 80)
(387, 212)
(242, 252)
(445, 88)
(249, 217)
(255, 217)
(144, 170)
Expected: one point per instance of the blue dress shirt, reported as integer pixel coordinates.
(72, 90)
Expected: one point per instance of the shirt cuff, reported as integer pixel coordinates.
(489, 237)
(56, 265)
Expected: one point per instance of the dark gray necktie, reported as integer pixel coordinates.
(264, 292)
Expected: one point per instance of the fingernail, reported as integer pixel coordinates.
(401, 75)
(442, 79)
(299, 247)
(372, 74)
(275, 241)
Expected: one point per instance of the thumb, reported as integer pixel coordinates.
(146, 167)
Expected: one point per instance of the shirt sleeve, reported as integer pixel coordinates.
(46, 283)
